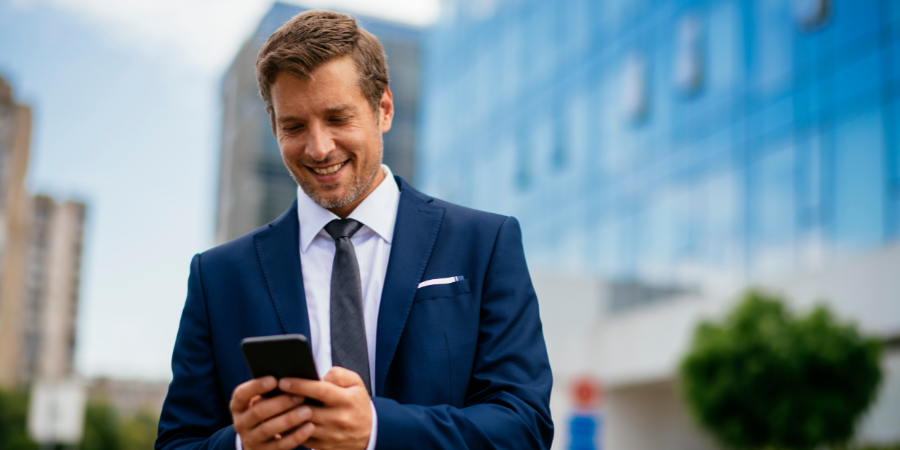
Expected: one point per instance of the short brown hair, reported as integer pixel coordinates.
(314, 37)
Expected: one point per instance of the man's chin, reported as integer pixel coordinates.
(332, 195)
(329, 199)
(329, 202)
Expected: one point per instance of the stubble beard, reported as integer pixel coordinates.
(355, 187)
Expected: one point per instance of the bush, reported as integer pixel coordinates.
(102, 428)
(139, 432)
(13, 419)
(764, 378)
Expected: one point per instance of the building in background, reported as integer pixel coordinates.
(41, 250)
(130, 397)
(15, 137)
(52, 282)
(254, 185)
(663, 155)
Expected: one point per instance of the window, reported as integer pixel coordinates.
(634, 87)
(717, 211)
(811, 14)
(689, 55)
(774, 211)
(859, 182)
(523, 158)
(664, 227)
(725, 46)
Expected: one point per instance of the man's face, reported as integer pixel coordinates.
(329, 136)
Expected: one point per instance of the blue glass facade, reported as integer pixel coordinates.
(669, 141)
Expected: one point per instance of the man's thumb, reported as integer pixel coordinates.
(343, 377)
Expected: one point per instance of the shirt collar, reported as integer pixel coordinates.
(378, 211)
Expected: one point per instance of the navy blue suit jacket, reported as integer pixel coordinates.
(460, 365)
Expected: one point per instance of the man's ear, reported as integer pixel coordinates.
(386, 110)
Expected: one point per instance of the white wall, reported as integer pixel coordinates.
(636, 353)
(569, 310)
(651, 417)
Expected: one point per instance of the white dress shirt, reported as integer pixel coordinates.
(372, 244)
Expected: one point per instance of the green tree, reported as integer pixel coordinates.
(765, 378)
(13, 419)
(139, 431)
(102, 428)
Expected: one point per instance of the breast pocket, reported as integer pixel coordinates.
(439, 342)
(442, 291)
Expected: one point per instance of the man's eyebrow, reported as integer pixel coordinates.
(285, 119)
(333, 110)
(340, 109)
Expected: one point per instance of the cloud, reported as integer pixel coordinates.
(208, 33)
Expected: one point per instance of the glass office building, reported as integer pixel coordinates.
(676, 143)
(660, 157)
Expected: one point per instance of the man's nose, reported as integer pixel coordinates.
(320, 142)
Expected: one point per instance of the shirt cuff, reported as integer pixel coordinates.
(237, 441)
(373, 436)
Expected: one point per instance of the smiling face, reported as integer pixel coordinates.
(330, 138)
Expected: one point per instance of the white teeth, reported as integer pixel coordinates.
(328, 170)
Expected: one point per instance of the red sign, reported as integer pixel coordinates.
(586, 392)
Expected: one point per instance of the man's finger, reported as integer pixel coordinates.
(280, 425)
(297, 438)
(343, 377)
(268, 408)
(240, 398)
(323, 391)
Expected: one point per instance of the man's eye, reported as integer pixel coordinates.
(292, 128)
(339, 119)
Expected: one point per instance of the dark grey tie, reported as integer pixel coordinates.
(348, 328)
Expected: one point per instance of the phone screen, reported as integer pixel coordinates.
(281, 356)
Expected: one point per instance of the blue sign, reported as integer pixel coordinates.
(584, 428)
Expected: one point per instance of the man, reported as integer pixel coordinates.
(421, 314)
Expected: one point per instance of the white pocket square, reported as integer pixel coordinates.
(441, 281)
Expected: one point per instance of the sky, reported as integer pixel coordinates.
(126, 119)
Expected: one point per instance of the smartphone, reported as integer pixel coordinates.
(281, 356)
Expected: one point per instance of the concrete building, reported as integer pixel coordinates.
(662, 156)
(130, 397)
(254, 185)
(15, 136)
(41, 253)
(52, 287)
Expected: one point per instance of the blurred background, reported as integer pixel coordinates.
(662, 156)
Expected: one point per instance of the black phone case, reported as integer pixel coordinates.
(281, 356)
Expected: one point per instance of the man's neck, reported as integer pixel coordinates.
(344, 211)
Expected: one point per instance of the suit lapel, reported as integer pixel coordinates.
(415, 231)
(278, 248)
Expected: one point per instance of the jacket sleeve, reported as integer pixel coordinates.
(509, 390)
(195, 413)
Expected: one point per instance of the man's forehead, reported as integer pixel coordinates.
(340, 70)
(303, 104)
(332, 87)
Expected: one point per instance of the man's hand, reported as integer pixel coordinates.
(268, 423)
(345, 420)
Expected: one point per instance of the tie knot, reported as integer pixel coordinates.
(339, 228)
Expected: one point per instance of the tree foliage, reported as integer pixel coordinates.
(139, 432)
(13, 419)
(766, 378)
(104, 429)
